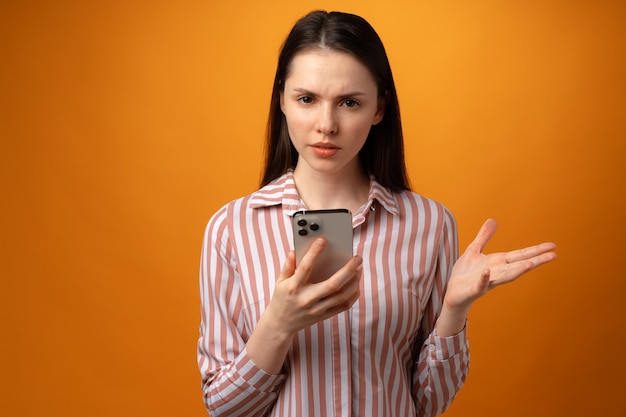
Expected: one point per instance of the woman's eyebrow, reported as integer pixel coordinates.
(310, 93)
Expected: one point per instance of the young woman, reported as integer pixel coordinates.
(383, 336)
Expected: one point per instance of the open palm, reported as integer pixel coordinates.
(475, 273)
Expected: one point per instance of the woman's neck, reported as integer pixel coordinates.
(320, 191)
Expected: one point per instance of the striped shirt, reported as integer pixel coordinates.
(381, 357)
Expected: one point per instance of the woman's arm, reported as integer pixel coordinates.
(232, 384)
(442, 362)
(241, 375)
(444, 355)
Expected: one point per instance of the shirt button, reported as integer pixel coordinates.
(432, 347)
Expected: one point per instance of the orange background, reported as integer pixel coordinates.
(125, 125)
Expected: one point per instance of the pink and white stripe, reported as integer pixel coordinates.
(380, 358)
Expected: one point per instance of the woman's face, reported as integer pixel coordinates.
(330, 101)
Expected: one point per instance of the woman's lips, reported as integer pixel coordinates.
(324, 150)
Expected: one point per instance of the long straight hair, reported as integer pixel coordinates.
(382, 155)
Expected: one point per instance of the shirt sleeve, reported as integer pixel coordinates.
(231, 383)
(443, 362)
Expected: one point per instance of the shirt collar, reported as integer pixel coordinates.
(282, 191)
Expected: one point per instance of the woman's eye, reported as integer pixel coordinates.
(350, 103)
(306, 99)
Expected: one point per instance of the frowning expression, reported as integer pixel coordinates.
(330, 101)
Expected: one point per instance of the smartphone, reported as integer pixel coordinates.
(335, 226)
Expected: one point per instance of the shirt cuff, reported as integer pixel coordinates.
(246, 376)
(443, 348)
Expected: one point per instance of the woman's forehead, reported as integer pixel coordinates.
(319, 67)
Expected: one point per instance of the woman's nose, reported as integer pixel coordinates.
(327, 120)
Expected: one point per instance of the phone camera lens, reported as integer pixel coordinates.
(314, 226)
(302, 232)
(302, 222)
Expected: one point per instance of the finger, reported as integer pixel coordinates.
(511, 272)
(529, 252)
(336, 308)
(514, 270)
(485, 233)
(343, 298)
(340, 287)
(343, 276)
(289, 266)
(303, 270)
(544, 258)
(346, 275)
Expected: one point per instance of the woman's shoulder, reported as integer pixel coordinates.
(272, 194)
(414, 199)
(235, 205)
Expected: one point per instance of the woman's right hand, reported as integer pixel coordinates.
(297, 304)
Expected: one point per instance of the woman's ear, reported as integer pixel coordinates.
(380, 112)
(282, 102)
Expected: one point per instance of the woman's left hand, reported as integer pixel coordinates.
(475, 273)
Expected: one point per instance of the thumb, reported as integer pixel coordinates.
(485, 233)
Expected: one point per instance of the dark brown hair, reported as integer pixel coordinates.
(382, 154)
